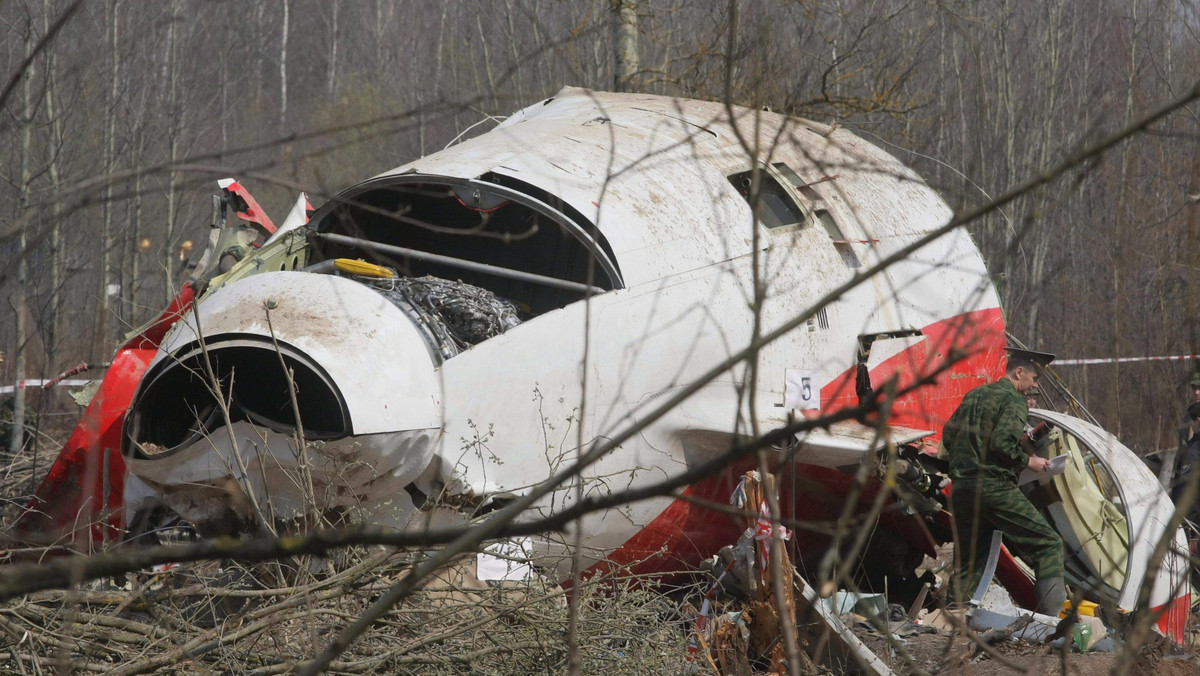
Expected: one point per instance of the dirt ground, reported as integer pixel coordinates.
(942, 653)
(946, 655)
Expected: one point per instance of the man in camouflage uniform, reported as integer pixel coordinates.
(1190, 429)
(1188, 461)
(983, 443)
(1031, 397)
(1189, 447)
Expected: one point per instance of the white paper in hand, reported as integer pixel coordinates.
(1058, 465)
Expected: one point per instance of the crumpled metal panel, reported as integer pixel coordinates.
(365, 473)
(466, 314)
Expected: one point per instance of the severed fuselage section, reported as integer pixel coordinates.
(433, 342)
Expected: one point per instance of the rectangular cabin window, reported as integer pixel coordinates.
(777, 208)
(839, 240)
(831, 226)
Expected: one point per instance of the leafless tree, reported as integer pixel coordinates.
(115, 138)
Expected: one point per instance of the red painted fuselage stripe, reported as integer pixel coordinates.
(684, 534)
(81, 500)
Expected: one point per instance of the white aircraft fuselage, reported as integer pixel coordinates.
(543, 287)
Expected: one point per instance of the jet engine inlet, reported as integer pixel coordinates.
(255, 382)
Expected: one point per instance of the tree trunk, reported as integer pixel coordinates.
(173, 151)
(260, 66)
(625, 45)
(128, 270)
(53, 330)
(509, 11)
(104, 325)
(17, 439)
(487, 61)
(1040, 243)
(1120, 213)
(283, 42)
(224, 87)
(330, 89)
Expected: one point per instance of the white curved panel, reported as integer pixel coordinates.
(368, 347)
(1148, 510)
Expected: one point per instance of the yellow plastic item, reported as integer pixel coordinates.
(362, 268)
(1086, 608)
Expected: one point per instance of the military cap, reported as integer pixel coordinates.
(1033, 392)
(1040, 359)
(1195, 381)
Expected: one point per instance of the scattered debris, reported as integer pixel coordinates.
(750, 632)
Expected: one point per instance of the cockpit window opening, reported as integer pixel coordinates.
(604, 254)
(792, 179)
(778, 205)
(495, 237)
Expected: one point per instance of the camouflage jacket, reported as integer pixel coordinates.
(983, 437)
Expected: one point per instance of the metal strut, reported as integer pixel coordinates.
(460, 263)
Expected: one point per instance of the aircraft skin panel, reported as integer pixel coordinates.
(549, 396)
(296, 217)
(643, 341)
(543, 388)
(659, 192)
(665, 217)
(979, 336)
(366, 474)
(917, 286)
(881, 199)
(671, 212)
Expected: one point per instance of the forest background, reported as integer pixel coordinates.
(119, 116)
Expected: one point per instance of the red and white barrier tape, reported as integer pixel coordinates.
(1122, 360)
(39, 382)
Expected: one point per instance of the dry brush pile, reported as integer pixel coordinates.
(269, 618)
(222, 617)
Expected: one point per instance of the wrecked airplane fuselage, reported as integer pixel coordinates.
(440, 338)
(638, 204)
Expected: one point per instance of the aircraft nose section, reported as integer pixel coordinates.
(284, 348)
